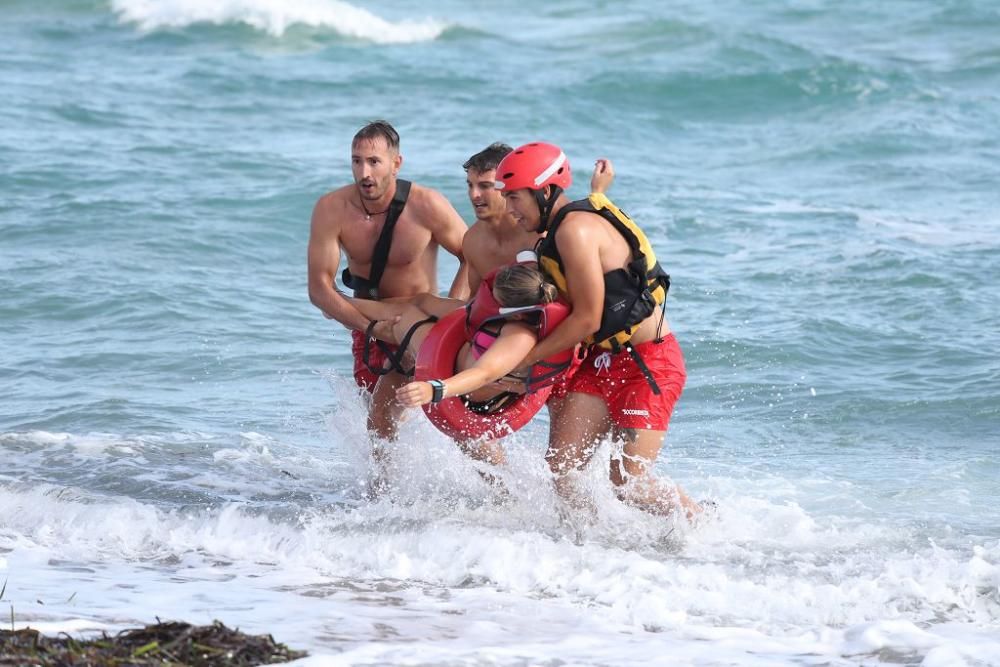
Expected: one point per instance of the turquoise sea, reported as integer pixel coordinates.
(180, 436)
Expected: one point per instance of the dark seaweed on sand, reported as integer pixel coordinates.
(175, 644)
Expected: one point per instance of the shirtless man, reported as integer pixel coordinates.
(494, 239)
(402, 262)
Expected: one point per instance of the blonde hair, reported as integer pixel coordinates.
(518, 285)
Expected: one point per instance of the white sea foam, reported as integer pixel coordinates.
(36, 437)
(73, 626)
(439, 572)
(276, 17)
(931, 229)
(764, 578)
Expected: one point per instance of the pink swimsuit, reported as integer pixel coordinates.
(481, 341)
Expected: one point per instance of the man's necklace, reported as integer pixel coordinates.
(369, 214)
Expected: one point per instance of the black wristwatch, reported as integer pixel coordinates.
(438, 388)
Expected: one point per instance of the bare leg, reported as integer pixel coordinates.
(438, 306)
(491, 452)
(383, 420)
(576, 428)
(556, 406)
(637, 484)
(406, 319)
(487, 451)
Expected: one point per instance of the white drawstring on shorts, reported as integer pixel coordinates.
(602, 362)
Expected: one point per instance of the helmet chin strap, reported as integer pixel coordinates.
(545, 205)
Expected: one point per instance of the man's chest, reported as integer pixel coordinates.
(408, 242)
(493, 254)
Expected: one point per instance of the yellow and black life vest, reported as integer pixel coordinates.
(630, 294)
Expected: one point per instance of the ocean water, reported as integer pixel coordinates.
(180, 436)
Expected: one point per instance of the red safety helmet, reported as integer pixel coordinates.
(533, 166)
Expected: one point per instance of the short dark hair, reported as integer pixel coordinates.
(376, 129)
(488, 158)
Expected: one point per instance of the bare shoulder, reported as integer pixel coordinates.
(329, 208)
(477, 234)
(581, 236)
(581, 222)
(429, 204)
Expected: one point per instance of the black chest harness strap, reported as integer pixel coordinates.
(367, 288)
(639, 361)
(650, 380)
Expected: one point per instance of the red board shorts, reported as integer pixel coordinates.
(364, 377)
(561, 386)
(620, 382)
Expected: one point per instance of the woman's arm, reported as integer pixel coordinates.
(503, 356)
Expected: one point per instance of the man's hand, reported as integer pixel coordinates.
(383, 330)
(415, 393)
(604, 175)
